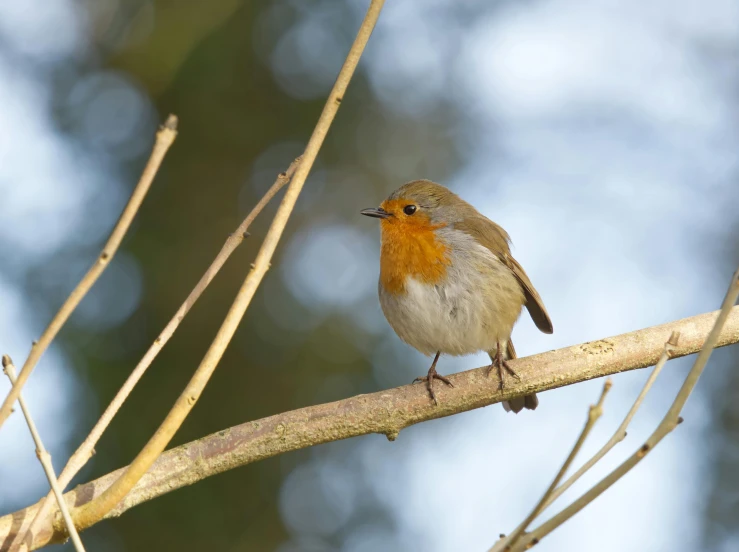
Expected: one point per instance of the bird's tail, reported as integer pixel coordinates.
(517, 404)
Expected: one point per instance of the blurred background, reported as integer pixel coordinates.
(602, 135)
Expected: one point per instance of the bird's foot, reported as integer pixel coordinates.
(500, 363)
(429, 379)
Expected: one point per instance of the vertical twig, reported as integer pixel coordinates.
(45, 459)
(164, 139)
(85, 450)
(95, 510)
(507, 542)
(620, 433)
(594, 413)
(668, 423)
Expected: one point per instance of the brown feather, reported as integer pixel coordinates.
(534, 302)
(517, 404)
(494, 238)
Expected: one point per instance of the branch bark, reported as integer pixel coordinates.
(386, 412)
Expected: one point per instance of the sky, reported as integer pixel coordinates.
(54, 193)
(611, 127)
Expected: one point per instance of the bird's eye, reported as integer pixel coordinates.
(409, 209)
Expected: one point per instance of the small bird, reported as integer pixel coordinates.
(448, 283)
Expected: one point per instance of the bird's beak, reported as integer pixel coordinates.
(378, 212)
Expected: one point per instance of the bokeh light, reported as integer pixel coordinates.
(602, 136)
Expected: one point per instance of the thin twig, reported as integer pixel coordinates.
(670, 421)
(85, 451)
(94, 511)
(617, 437)
(594, 413)
(164, 138)
(45, 459)
(620, 433)
(385, 412)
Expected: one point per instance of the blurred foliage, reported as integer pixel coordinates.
(204, 64)
(721, 507)
(247, 80)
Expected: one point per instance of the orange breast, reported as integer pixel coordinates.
(411, 250)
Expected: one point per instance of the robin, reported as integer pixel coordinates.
(448, 283)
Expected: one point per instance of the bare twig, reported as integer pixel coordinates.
(85, 450)
(506, 542)
(45, 459)
(95, 510)
(670, 421)
(620, 433)
(594, 413)
(164, 139)
(387, 412)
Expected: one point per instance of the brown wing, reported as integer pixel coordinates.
(492, 236)
(534, 303)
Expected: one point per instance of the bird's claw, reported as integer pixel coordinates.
(501, 364)
(429, 383)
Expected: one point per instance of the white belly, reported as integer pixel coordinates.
(471, 310)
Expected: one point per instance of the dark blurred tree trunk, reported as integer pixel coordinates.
(212, 69)
(721, 521)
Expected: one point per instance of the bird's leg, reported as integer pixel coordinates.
(500, 363)
(431, 376)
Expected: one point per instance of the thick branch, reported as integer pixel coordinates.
(386, 412)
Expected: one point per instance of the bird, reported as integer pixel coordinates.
(448, 283)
